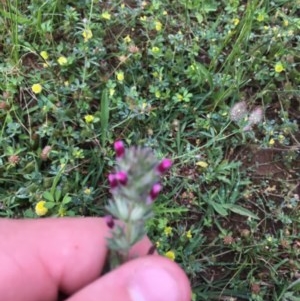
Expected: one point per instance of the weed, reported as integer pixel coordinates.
(214, 85)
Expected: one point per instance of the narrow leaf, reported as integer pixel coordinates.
(104, 116)
(242, 211)
(219, 208)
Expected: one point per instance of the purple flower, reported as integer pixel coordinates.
(113, 181)
(119, 148)
(109, 221)
(122, 177)
(156, 188)
(164, 165)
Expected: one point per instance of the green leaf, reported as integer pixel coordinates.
(289, 296)
(50, 205)
(67, 199)
(14, 17)
(104, 116)
(219, 208)
(199, 17)
(56, 180)
(48, 196)
(223, 179)
(29, 213)
(295, 285)
(210, 6)
(241, 211)
(205, 74)
(57, 195)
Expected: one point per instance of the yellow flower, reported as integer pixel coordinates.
(144, 4)
(46, 65)
(278, 67)
(111, 92)
(236, 21)
(106, 15)
(155, 49)
(120, 76)
(168, 231)
(62, 60)
(78, 154)
(158, 26)
(36, 88)
(193, 67)
(155, 74)
(87, 191)
(127, 39)
(89, 118)
(143, 18)
(272, 141)
(285, 23)
(260, 17)
(165, 13)
(157, 244)
(202, 164)
(179, 97)
(281, 138)
(40, 208)
(170, 255)
(44, 55)
(87, 34)
(189, 234)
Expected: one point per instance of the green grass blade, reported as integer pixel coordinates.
(104, 116)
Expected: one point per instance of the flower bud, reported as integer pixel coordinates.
(119, 148)
(109, 221)
(3, 105)
(151, 250)
(45, 152)
(156, 188)
(164, 165)
(122, 177)
(113, 181)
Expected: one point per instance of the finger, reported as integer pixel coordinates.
(40, 257)
(150, 278)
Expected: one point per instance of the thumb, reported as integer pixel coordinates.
(150, 278)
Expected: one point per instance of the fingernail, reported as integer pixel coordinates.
(153, 284)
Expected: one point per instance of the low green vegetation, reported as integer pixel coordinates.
(214, 85)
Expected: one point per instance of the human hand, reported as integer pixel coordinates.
(39, 258)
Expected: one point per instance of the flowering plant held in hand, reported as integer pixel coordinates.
(134, 186)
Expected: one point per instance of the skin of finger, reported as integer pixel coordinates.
(114, 285)
(40, 257)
